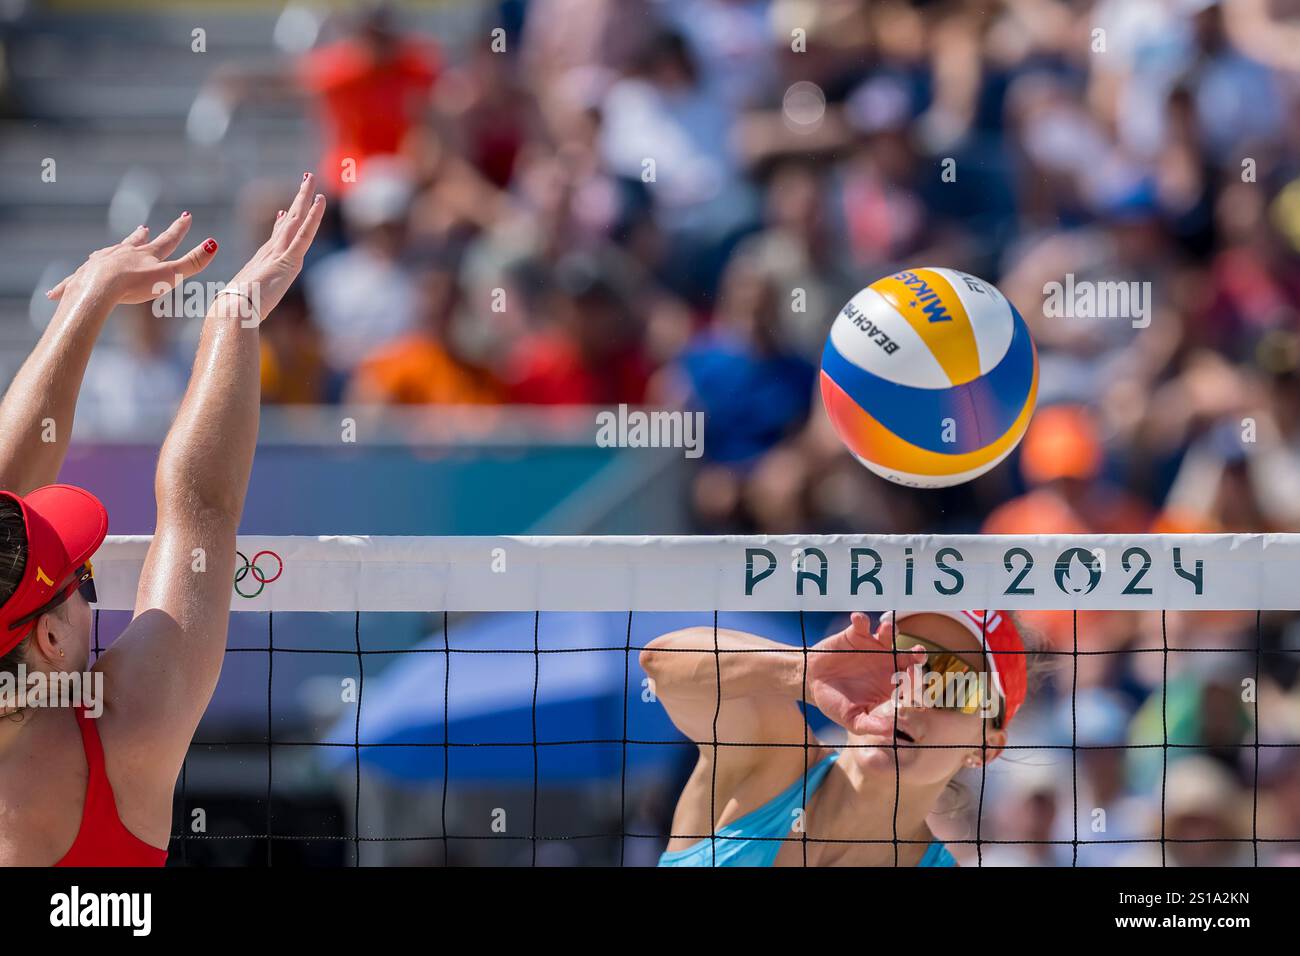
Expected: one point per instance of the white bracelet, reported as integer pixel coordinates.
(252, 306)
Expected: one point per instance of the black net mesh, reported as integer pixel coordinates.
(319, 810)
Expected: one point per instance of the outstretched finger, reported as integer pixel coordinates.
(861, 623)
(56, 293)
(192, 263)
(307, 231)
(916, 654)
(171, 237)
(299, 208)
(138, 237)
(860, 635)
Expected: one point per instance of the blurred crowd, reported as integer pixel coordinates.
(666, 202)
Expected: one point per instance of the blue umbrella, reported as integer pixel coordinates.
(584, 681)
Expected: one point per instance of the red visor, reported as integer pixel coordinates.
(65, 526)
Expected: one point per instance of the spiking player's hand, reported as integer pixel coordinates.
(847, 686)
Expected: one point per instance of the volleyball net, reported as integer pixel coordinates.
(465, 700)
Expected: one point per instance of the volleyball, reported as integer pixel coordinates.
(929, 376)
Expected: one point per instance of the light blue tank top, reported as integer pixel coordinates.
(735, 845)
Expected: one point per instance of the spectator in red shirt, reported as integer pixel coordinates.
(371, 88)
(591, 353)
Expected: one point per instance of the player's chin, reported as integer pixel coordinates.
(873, 752)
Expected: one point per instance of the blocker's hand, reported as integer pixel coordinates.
(847, 686)
(137, 269)
(267, 276)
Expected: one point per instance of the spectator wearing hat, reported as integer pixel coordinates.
(1026, 817)
(1206, 820)
(1061, 461)
(1200, 711)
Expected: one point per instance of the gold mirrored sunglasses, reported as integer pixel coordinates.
(943, 661)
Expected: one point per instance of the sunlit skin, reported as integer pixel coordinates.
(60, 643)
(870, 741)
(158, 674)
(856, 801)
(65, 635)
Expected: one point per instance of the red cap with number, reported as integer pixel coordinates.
(64, 526)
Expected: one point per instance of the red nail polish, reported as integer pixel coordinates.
(185, 214)
(279, 214)
(305, 175)
(210, 246)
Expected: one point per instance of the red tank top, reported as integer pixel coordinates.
(103, 840)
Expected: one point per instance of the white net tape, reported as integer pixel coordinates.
(743, 573)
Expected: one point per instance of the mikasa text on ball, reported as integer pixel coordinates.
(929, 377)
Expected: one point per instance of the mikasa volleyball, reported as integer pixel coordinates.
(929, 376)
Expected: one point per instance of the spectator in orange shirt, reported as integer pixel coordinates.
(422, 368)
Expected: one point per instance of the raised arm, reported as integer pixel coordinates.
(759, 680)
(36, 414)
(750, 685)
(160, 674)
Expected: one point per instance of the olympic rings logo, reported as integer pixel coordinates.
(251, 568)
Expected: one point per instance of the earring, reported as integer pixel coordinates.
(60, 653)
